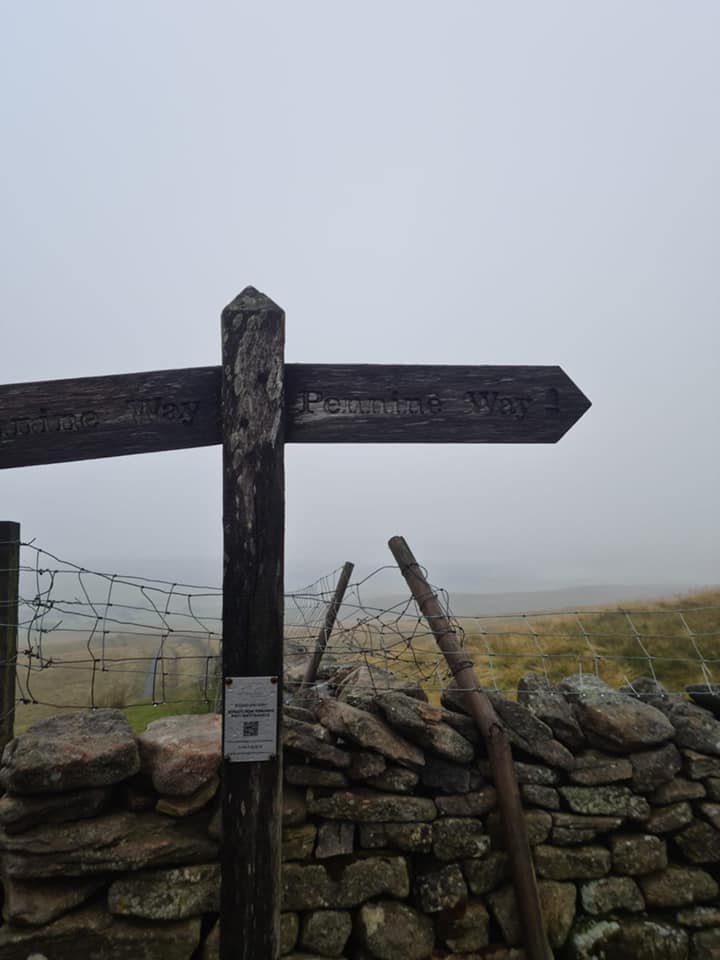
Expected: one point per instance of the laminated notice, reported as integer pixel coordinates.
(250, 731)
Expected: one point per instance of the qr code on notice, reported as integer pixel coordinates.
(251, 728)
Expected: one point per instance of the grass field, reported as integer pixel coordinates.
(677, 640)
(77, 673)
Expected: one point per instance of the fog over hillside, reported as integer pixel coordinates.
(413, 183)
(545, 601)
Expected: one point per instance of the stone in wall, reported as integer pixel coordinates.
(700, 842)
(610, 894)
(622, 836)
(609, 801)
(557, 902)
(303, 775)
(93, 932)
(525, 729)
(649, 690)
(19, 812)
(408, 837)
(677, 789)
(695, 728)
(485, 874)
(394, 780)
(705, 695)
(180, 754)
(458, 839)
(468, 804)
(71, 752)
(612, 720)
(424, 724)
(546, 702)
(465, 929)
(637, 853)
(335, 838)
(700, 766)
(326, 932)
(536, 796)
(35, 903)
(368, 731)
(167, 894)
(445, 777)
(312, 887)
(678, 887)
(538, 824)
(570, 829)
(361, 685)
(365, 806)
(593, 768)
(395, 931)
(622, 938)
(530, 734)
(526, 773)
(572, 863)
(109, 844)
(365, 764)
(669, 819)
(440, 888)
(298, 842)
(653, 768)
(192, 803)
(313, 742)
(711, 812)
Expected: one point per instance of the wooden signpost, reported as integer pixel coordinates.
(253, 404)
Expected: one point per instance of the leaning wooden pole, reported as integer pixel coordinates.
(311, 670)
(498, 748)
(9, 581)
(253, 420)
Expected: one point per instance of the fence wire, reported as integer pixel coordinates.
(90, 639)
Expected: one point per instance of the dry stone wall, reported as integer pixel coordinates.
(393, 847)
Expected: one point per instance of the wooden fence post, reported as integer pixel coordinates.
(321, 643)
(498, 748)
(9, 585)
(253, 428)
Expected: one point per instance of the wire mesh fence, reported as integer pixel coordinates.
(91, 639)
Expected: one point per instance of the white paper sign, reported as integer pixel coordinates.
(250, 731)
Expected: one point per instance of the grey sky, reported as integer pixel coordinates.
(459, 182)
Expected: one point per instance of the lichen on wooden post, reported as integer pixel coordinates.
(253, 414)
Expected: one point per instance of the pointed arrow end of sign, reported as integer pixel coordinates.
(252, 300)
(580, 404)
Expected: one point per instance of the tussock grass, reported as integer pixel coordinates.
(676, 640)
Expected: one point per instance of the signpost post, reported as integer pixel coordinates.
(253, 404)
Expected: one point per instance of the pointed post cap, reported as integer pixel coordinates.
(250, 300)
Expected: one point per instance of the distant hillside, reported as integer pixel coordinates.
(676, 638)
(542, 601)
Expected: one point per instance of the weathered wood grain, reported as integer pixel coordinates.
(253, 334)
(61, 420)
(378, 403)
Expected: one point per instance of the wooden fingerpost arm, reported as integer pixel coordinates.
(498, 748)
